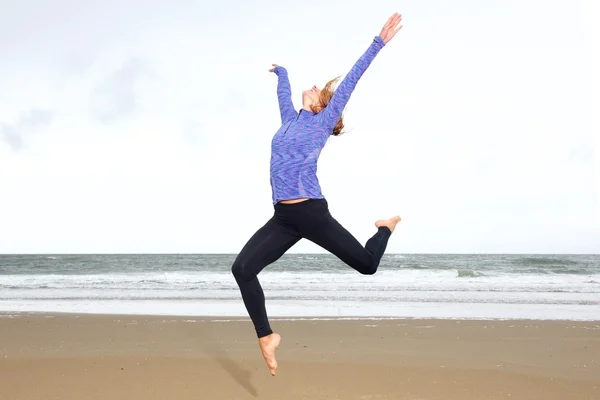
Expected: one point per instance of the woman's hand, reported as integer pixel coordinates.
(391, 27)
(273, 69)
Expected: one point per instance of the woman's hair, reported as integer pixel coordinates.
(324, 98)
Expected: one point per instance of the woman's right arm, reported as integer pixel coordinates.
(284, 94)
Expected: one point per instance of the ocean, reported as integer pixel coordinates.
(565, 287)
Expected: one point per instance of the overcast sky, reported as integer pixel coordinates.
(145, 126)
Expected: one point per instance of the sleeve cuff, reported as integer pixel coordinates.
(280, 70)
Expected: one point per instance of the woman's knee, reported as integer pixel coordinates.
(237, 269)
(369, 269)
(365, 267)
(241, 270)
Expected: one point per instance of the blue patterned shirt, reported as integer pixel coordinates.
(296, 146)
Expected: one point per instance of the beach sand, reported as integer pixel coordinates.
(112, 357)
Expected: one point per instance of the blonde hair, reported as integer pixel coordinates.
(324, 98)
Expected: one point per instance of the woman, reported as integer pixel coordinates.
(301, 210)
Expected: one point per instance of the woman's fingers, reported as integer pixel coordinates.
(391, 27)
(396, 21)
(390, 21)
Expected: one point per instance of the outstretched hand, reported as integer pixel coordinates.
(273, 69)
(391, 27)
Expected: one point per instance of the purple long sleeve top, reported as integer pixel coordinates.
(296, 146)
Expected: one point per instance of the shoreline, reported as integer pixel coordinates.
(234, 308)
(290, 318)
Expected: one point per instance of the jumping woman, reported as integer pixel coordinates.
(300, 209)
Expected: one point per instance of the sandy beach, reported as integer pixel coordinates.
(69, 356)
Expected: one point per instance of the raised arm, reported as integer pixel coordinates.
(332, 113)
(284, 94)
(334, 109)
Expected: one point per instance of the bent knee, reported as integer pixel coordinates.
(369, 270)
(237, 269)
(241, 271)
(366, 267)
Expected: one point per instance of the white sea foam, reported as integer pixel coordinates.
(332, 309)
(308, 285)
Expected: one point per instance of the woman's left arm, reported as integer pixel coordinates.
(332, 113)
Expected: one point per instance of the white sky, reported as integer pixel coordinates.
(141, 126)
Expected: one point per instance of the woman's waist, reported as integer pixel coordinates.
(295, 171)
(300, 205)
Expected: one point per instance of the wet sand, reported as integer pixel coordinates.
(69, 356)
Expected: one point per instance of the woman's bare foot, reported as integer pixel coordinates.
(268, 344)
(390, 223)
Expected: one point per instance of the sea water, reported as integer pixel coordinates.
(308, 285)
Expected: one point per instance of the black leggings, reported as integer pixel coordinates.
(309, 219)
